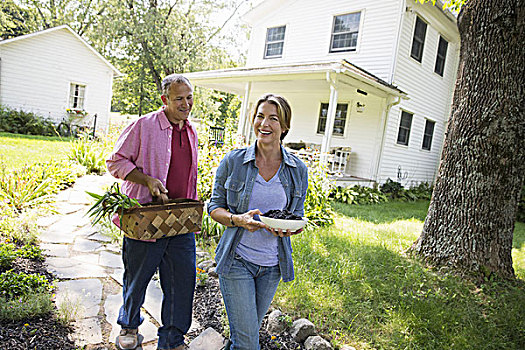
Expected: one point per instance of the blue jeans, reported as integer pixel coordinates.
(175, 259)
(247, 290)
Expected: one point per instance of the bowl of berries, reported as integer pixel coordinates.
(283, 219)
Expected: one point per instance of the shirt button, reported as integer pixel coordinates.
(167, 163)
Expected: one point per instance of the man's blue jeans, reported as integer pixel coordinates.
(247, 290)
(175, 259)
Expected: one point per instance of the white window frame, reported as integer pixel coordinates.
(319, 132)
(404, 127)
(82, 97)
(438, 56)
(332, 34)
(430, 135)
(280, 41)
(422, 42)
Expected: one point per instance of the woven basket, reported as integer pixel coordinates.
(153, 221)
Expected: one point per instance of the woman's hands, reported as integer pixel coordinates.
(283, 233)
(246, 220)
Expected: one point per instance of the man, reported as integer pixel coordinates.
(157, 157)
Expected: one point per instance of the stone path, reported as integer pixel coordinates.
(89, 269)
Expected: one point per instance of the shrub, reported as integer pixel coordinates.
(392, 188)
(7, 255)
(211, 229)
(358, 195)
(89, 153)
(210, 157)
(15, 285)
(317, 204)
(21, 122)
(17, 228)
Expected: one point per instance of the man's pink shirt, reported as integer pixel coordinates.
(146, 145)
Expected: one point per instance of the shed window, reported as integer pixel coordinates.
(76, 96)
(428, 134)
(339, 122)
(418, 42)
(274, 42)
(344, 32)
(441, 56)
(404, 128)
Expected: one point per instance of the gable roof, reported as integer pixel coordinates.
(116, 72)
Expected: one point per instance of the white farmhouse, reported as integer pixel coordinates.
(369, 81)
(55, 70)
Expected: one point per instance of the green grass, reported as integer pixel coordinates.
(18, 150)
(356, 285)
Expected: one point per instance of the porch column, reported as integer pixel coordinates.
(330, 118)
(241, 127)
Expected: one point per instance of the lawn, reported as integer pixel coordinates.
(17, 150)
(356, 285)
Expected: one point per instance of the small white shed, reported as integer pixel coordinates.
(55, 70)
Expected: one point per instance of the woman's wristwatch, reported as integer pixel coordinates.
(231, 220)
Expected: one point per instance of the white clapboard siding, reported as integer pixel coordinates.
(430, 97)
(36, 73)
(308, 32)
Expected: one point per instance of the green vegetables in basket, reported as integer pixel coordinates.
(109, 203)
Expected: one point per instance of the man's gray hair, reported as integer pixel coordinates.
(173, 78)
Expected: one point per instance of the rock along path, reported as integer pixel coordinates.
(89, 272)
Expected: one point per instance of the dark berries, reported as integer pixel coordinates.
(281, 214)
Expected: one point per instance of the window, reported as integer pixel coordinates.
(404, 128)
(441, 56)
(76, 96)
(344, 32)
(339, 122)
(428, 134)
(419, 40)
(274, 42)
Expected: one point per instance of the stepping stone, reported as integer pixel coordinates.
(57, 250)
(85, 245)
(97, 236)
(67, 208)
(57, 234)
(210, 339)
(111, 310)
(66, 268)
(85, 294)
(87, 258)
(46, 221)
(110, 260)
(87, 331)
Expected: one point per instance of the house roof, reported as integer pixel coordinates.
(234, 79)
(116, 72)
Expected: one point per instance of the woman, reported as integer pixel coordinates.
(251, 257)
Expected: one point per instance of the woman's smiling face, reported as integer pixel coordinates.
(266, 124)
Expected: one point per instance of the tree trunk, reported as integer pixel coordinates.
(470, 222)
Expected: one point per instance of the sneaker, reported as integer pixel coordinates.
(128, 338)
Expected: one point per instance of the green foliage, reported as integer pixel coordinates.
(211, 230)
(18, 228)
(395, 191)
(21, 122)
(89, 153)
(111, 202)
(358, 195)
(26, 307)
(30, 251)
(15, 285)
(31, 186)
(7, 255)
(209, 158)
(317, 203)
(15, 20)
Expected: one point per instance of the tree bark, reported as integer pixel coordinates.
(470, 222)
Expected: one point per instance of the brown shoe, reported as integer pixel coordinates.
(128, 338)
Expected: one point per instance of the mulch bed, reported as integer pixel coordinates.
(43, 332)
(46, 332)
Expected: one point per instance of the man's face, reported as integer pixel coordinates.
(178, 102)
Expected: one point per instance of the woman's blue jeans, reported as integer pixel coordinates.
(175, 259)
(247, 290)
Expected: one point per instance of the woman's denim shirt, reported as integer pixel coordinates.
(232, 190)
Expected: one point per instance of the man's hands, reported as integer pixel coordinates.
(157, 189)
(155, 186)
